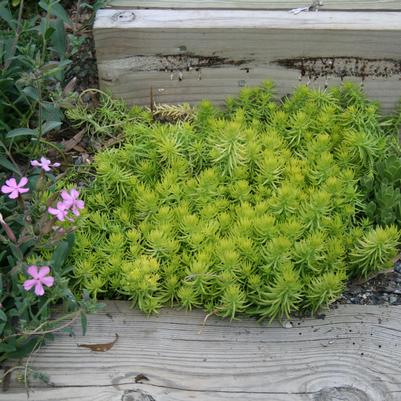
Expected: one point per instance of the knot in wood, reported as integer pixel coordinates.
(136, 395)
(123, 16)
(340, 394)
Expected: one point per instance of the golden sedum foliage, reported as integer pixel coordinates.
(256, 209)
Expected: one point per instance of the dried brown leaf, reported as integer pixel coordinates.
(99, 347)
(74, 141)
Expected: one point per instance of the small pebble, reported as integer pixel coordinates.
(288, 325)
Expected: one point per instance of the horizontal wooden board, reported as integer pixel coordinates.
(246, 19)
(353, 354)
(187, 56)
(259, 4)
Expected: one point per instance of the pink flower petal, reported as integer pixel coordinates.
(39, 290)
(53, 211)
(14, 194)
(35, 163)
(74, 193)
(43, 271)
(59, 213)
(23, 190)
(66, 196)
(80, 204)
(75, 211)
(28, 284)
(23, 181)
(56, 164)
(47, 281)
(33, 271)
(6, 189)
(11, 182)
(62, 206)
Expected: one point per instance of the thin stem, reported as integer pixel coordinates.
(37, 331)
(35, 348)
(17, 33)
(43, 307)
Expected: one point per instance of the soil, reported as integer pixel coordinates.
(384, 289)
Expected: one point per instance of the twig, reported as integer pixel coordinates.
(205, 320)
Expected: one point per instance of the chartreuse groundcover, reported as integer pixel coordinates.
(263, 208)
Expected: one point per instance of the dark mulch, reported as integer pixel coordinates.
(384, 289)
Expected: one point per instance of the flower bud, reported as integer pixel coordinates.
(7, 229)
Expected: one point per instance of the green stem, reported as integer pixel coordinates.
(43, 307)
(17, 33)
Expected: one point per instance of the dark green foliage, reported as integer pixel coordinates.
(32, 56)
(260, 210)
(383, 189)
(29, 236)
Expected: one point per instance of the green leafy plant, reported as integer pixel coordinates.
(261, 209)
(36, 233)
(107, 118)
(32, 56)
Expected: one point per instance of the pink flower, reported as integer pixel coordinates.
(39, 278)
(60, 211)
(72, 202)
(13, 189)
(44, 164)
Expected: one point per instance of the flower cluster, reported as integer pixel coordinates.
(69, 203)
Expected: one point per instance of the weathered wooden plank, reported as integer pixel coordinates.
(186, 56)
(218, 84)
(251, 19)
(127, 392)
(353, 354)
(259, 4)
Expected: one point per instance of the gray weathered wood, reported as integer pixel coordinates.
(259, 4)
(353, 354)
(187, 55)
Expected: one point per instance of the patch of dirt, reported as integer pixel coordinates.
(384, 289)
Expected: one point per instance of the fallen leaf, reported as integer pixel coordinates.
(70, 87)
(99, 347)
(79, 149)
(75, 140)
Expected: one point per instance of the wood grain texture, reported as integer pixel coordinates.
(249, 19)
(187, 56)
(258, 4)
(353, 355)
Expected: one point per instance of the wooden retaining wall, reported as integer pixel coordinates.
(185, 51)
(350, 354)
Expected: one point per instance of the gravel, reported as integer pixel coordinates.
(384, 289)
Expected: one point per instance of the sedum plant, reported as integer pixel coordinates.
(261, 209)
